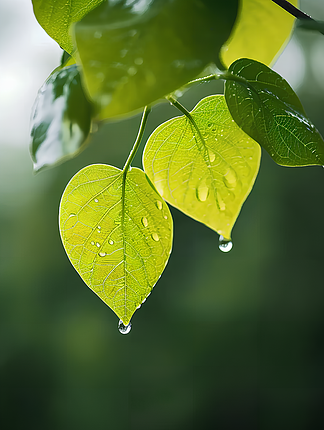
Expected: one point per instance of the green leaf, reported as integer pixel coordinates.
(207, 177)
(267, 109)
(61, 118)
(134, 53)
(117, 234)
(261, 31)
(56, 17)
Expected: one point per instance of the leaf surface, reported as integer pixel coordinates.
(207, 178)
(61, 118)
(134, 53)
(261, 31)
(117, 234)
(56, 17)
(268, 110)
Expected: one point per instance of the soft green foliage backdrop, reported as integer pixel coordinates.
(226, 340)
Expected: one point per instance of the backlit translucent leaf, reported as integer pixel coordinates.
(260, 32)
(135, 52)
(56, 16)
(61, 118)
(116, 233)
(269, 111)
(208, 180)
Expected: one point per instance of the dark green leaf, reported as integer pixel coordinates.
(61, 119)
(267, 109)
(135, 52)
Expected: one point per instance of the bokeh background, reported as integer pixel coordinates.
(227, 341)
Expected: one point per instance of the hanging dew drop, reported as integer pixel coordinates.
(96, 200)
(225, 245)
(102, 254)
(111, 242)
(124, 329)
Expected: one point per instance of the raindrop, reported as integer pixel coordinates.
(165, 217)
(229, 178)
(202, 192)
(102, 254)
(225, 245)
(132, 71)
(92, 243)
(98, 244)
(124, 329)
(155, 237)
(111, 242)
(220, 202)
(144, 221)
(72, 214)
(211, 155)
(138, 61)
(96, 200)
(159, 205)
(99, 231)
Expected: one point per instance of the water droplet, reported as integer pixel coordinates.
(96, 200)
(72, 214)
(155, 237)
(211, 155)
(159, 205)
(124, 329)
(98, 244)
(132, 71)
(99, 231)
(97, 34)
(102, 254)
(138, 61)
(165, 217)
(229, 178)
(144, 221)
(202, 192)
(92, 243)
(111, 242)
(220, 202)
(225, 245)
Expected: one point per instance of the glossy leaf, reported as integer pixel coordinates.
(61, 118)
(117, 234)
(261, 31)
(56, 17)
(207, 177)
(269, 111)
(134, 53)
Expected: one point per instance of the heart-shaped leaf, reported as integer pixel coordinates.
(261, 30)
(117, 233)
(267, 109)
(206, 174)
(135, 52)
(61, 118)
(56, 17)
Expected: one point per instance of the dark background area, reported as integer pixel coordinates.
(227, 341)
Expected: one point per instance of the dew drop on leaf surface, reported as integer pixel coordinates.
(155, 237)
(124, 329)
(202, 192)
(225, 245)
(144, 221)
(159, 205)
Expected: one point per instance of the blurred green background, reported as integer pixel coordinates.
(228, 341)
